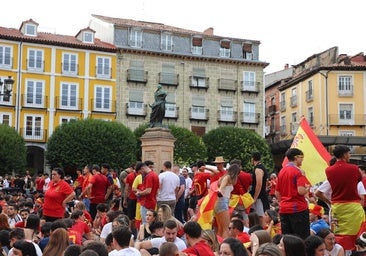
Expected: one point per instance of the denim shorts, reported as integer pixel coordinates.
(222, 204)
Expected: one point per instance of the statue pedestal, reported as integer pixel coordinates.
(157, 145)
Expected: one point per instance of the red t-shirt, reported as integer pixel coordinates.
(53, 198)
(81, 227)
(88, 177)
(242, 184)
(40, 183)
(289, 178)
(343, 178)
(129, 181)
(151, 180)
(200, 183)
(217, 176)
(243, 237)
(80, 181)
(200, 248)
(99, 189)
(75, 236)
(272, 189)
(88, 216)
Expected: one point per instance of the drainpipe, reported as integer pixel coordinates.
(325, 75)
(19, 92)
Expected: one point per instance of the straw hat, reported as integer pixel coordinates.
(219, 160)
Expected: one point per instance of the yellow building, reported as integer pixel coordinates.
(57, 78)
(329, 90)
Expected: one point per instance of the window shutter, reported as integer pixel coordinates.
(168, 68)
(198, 101)
(137, 64)
(226, 102)
(199, 72)
(170, 98)
(136, 95)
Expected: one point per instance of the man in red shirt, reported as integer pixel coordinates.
(40, 181)
(85, 188)
(98, 185)
(197, 245)
(236, 228)
(129, 198)
(291, 189)
(151, 185)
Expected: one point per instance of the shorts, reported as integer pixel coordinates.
(222, 204)
(193, 201)
(131, 208)
(258, 207)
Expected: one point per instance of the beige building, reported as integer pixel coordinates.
(211, 80)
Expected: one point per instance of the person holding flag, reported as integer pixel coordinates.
(291, 189)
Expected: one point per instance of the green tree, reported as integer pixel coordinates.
(89, 141)
(139, 131)
(188, 147)
(13, 152)
(237, 143)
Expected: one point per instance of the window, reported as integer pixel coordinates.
(346, 113)
(170, 106)
(197, 45)
(225, 48)
(88, 37)
(34, 93)
(226, 109)
(33, 127)
(5, 56)
(64, 120)
(345, 86)
(166, 42)
(35, 60)
(167, 75)
(103, 67)
(198, 107)
(30, 29)
(69, 65)
(5, 118)
(294, 124)
(103, 98)
(311, 116)
(247, 51)
(249, 81)
(199, 78)
(283, 125)
(309, 92)
(135, 104)
(283, 101)
(69, 97)
(249, 112)
(293, 99)
(135, 38)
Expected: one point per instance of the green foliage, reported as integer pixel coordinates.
(90, 141)
(188, 147)
(139, 131)
(237, 143)
(13, 152)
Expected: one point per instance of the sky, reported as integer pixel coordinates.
(290, 31)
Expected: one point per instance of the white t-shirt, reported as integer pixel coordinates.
(157, 242)
(107, 228)
(327, 189)
(130, 251)
(188, 186)
(169, 181)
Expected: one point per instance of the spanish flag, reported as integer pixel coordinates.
(206, 207)
(316, 155)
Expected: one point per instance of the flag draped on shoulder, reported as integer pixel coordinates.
(316, 155)
(206, 207)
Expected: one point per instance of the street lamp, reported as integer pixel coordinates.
(8, 86)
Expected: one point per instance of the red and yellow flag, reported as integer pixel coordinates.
(206, 205)
(316, 155)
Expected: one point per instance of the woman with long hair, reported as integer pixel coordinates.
(291, 245)
(4, 223)
(331, 247)
(209, 236)
(165, 213)
(144, 231)
(24, 248)
(314, 246)
(31, 229)
(221, 209)
(232, 246)
(59, 241)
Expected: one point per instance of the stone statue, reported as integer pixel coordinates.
(158, 108)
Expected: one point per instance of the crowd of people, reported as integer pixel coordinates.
(211, 210)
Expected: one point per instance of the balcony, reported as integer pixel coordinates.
(103, 106)
(226, 117)
(34, 134)
(283, 105)
(199, 82)
(346, 92)
(227, 84)
(250, 86)
(103, 73)
(68, 71)
(198, 114)
(133, 109)
(171, 112)
(137, 75)
(8, 100)
(168, 78)
(272, 109)
(293, 101)
(250, 118)
(34, 101)
(35, 66)
(197, 50)
(309, 96)
(65, 103)
(347, 119)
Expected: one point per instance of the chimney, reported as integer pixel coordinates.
(209, 31)
(286, 66)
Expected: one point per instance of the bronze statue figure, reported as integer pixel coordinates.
(158, 108)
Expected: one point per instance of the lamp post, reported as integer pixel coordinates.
(8, 87)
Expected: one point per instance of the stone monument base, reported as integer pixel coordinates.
(157, 145)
